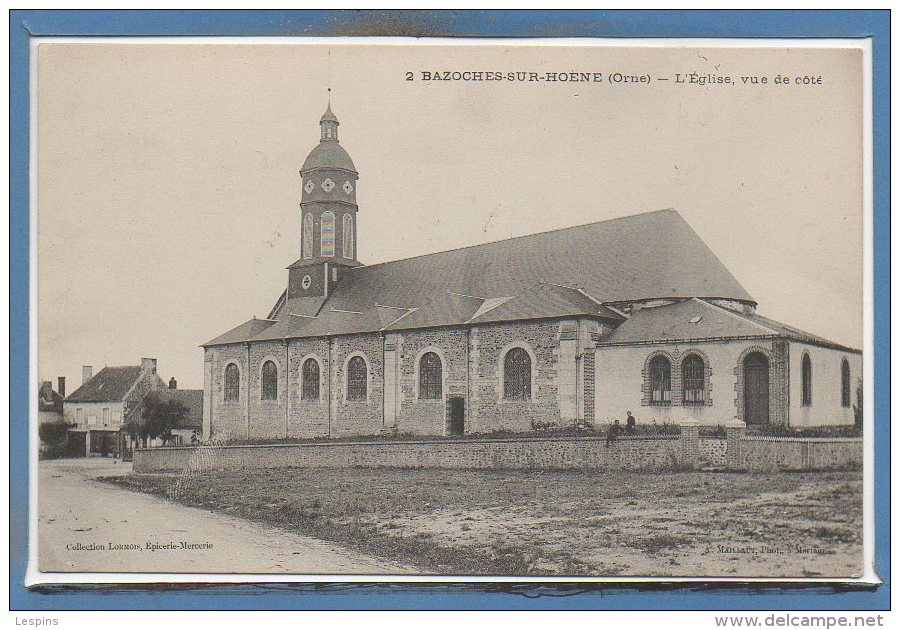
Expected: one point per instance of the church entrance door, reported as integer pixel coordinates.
(756, 388)
(457, 412)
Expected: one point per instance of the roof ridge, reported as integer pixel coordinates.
(736, 314)
(522, 237)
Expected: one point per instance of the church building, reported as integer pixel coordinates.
(573, 326)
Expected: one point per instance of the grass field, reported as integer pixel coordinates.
(572, 523)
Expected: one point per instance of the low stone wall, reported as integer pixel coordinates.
(772, 454)
(712, 452)
(661, 453)
(657, 453)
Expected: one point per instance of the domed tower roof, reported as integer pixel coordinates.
(328, 153)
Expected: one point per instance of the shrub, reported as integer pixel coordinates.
(801, 432)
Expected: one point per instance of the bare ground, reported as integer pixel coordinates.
(570, 523)
(76, 512)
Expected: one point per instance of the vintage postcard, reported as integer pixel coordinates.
(420, 310)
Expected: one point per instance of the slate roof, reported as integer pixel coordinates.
(108, 385)
(695, 320)
(190, 398)
(328, 154)
(567, 272)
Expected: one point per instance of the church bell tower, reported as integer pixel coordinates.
(327, 215)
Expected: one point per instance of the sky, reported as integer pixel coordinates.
(168, 184)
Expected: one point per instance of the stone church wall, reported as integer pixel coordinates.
(267, 417)
(228, 419)
(307, 418)
(428, 417)
(357, 417)
(488, 344)
(826, 407)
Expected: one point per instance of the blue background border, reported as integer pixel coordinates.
(23, 24)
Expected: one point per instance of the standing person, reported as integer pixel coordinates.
(630, 424)
(612, 432)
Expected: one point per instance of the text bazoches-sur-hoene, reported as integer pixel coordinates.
(148, 546)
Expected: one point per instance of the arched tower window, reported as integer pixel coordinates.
(845, 383)
(269, 381)
(347, 238)
(806, 369)
(357, 379)
(308, 236)
(232, 383)
(310, 389)
(660, 381)
(430, 377)
(693, 380)
(517, 375)
(327, 247)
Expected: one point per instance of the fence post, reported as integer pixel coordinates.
(734, 433)
(689, 443)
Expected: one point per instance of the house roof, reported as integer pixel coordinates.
(190, 398)
(109, 385)
(562, 273)
(54, 403)
(695, 320)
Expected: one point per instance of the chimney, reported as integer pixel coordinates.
(173, 384)
(86, 373)
(47, 390)
(61, 386)
(148, 366)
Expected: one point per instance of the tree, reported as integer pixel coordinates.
(158, 419)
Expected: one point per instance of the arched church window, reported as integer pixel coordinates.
(357, 379)
(347, 240)
(660, 381)
(310, 389)
(269, 381)
(806, 377)
(232, 383)
(430, 377)
(693, 380)
(517, 375)
(327, 233)
(845, 383)
(308, 236)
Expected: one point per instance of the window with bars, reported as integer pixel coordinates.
(693, 380)
(845, 383)
(310, 389)
(430, 377)
(660, 381)
(308, 236)
(347, 237)
(232, 383)
(269, 381)
(806, 377)
(517, 375)
(357, 379)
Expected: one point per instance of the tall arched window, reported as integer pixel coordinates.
(347, 237)
(357, 379)
(660, 381)
(806, 369)
(845, 383)
(430, 377)
(308, 236)
(232, 383)
(517, 375)
(269, 381)
(327, 245)
(310, 389)
(693, 380)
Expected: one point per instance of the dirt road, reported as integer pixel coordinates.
(85, 525)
